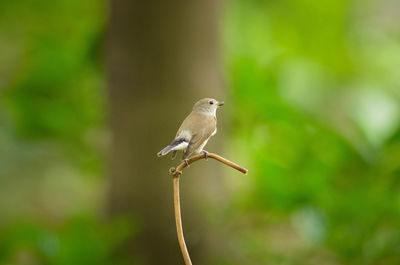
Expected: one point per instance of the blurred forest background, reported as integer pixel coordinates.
(91, 90)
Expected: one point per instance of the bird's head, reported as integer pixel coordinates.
(208, 105)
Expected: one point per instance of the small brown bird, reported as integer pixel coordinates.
(195, 130)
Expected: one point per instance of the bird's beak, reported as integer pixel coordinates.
(221, 103)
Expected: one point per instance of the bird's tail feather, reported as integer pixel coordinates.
(165, 151)
(170, 147)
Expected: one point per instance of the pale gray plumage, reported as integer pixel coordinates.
(195, 130)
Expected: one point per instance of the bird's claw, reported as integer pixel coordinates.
(186, 162)
(205, 154)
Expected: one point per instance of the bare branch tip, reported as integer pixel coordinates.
(171, 170)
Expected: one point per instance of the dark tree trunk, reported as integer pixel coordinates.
(162, 57)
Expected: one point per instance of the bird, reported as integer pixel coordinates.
(195, 130)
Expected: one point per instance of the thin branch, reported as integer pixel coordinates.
(176, 173)
(178, 221)
(178, 170)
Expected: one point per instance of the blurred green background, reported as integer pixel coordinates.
(313, 93)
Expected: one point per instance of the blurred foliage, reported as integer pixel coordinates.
(315, 107)
(53, 136)
(81, 240)
(52, 85)
(317, 112)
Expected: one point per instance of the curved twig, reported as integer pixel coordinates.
(176, 172)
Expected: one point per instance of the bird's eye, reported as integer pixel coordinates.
(211, 102)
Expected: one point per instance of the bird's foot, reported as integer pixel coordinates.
(205, 154)
(186, 162)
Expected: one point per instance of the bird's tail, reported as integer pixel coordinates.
(165, 151)
(171, 147)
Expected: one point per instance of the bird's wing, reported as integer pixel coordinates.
(194, 123)
(189, 149)
(183, 131)
(201, 131)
